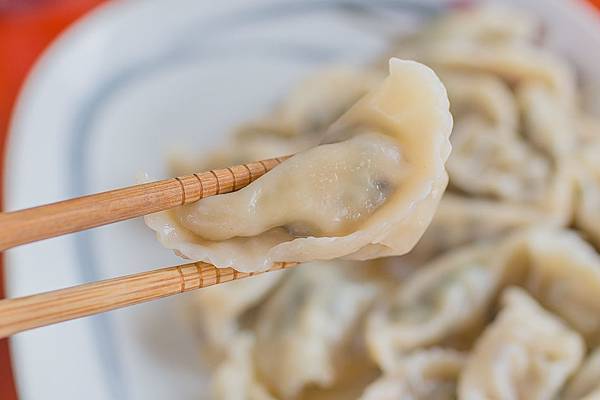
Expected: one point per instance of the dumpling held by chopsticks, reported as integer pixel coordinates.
(368, 191)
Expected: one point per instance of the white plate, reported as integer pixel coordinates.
(108, 101)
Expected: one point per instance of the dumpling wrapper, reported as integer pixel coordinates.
(369, 192)
(316, 102)
(461, 220)
(487, 164)
(304, 331)
(218, 309)
(526, 353)
(482, 96)
(564, 275)
(446, 299)
(235, 378)
(487, 24)
(424, 375)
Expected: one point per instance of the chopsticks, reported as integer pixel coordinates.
(43, 222)
(20, 314)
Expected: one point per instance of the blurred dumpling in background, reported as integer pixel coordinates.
(236, 379)
(450, 297)
(317, 102)
(221, 308)
(564, 275)
(304, 332)
(428, 374)
(525, 353)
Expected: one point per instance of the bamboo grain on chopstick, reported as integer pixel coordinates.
(24, 313)
(43, 222)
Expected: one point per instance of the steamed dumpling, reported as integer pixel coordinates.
(304, 331)
(219, 308)
(484, 98)
(316, 102)
(352, 179)
(487, 24)
(487, 164)
(461, 220)
(424, 375)
(526, 353)
(449, 297)
(236, 378)
(369, 191)
(564, 275)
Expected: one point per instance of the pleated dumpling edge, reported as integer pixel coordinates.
(369, 190)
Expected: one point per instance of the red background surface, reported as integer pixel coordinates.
(27, 27)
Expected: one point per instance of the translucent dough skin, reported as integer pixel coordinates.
(526, 353)
(352, 178)
(369, 192)
(446, 298)
(307, 322)
(425, 374)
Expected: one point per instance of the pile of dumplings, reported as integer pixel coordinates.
(499, 299)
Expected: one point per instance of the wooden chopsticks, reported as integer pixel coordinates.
(29, 225)
(44, 222)
(23, 313)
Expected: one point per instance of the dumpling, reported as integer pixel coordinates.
(461, 220)
(484, 98)
(526, 353)
(548, 123)
(585, 384)
(369, 191)
(487, 164)
(423, 375)
(235, 378)
(304, 332)
(217, 309)
(317, 102)
(448, 298)
(492, 40)
(564, 275)
(516, 64)
(488, 24)
(347, 181)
